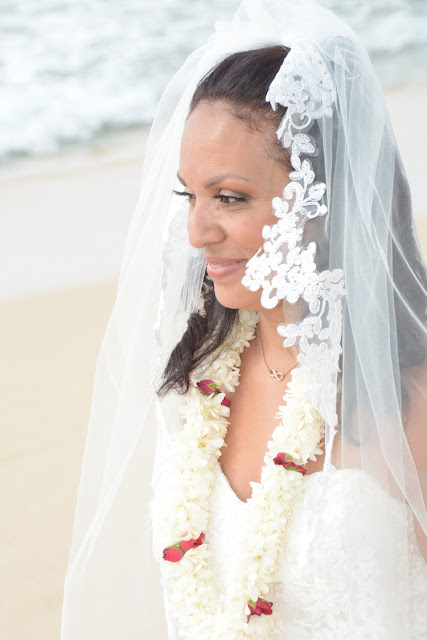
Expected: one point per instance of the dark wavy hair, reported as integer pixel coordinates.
(241, 82)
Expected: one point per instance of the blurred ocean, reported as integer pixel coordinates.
(71, 70)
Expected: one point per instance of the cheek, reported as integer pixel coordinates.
(253, 239)
(249, 233)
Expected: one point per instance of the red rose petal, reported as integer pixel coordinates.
(264, 607)
(186, 545)
(207, 386)
(261, 607)
(172, 555)
(281, 459)
(200, 539)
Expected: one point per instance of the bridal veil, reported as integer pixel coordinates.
(345, 244)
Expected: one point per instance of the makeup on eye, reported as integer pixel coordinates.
(183, 193)
(235, 199)
(226, 198)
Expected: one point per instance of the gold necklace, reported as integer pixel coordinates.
(272, 372)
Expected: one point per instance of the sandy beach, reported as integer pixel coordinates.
(52, 327)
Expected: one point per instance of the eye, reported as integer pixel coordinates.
(185, 194)
(224, 199)
(230, 199)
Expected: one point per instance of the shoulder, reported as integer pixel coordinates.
(416, 419)
(416, 434)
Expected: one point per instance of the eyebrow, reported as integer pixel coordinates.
(216, 179)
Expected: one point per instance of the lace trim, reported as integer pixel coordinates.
(303, 85)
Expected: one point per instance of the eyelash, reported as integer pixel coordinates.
(190, 195)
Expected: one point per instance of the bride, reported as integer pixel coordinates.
(270, 328)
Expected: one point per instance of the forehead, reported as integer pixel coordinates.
(215, 139)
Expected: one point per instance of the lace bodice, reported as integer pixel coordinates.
(350, 583)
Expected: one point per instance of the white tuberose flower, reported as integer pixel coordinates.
(186, 496)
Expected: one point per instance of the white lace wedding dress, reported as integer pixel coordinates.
(326, 579)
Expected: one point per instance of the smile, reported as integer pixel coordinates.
(223, 270)
(220, 266)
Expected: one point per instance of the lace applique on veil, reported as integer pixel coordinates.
(283, 268)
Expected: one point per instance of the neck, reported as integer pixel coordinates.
(268, 322)
(276, 356)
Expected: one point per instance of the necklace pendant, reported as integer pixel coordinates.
(276, 374)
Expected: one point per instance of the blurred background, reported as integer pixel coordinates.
(79, 84)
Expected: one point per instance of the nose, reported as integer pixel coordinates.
(203, 226)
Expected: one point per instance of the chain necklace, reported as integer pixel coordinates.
(272, 372)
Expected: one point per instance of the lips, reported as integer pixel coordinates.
(223, 268)
(227, 264)
(218, 263)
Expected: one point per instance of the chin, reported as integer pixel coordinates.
(238, 297)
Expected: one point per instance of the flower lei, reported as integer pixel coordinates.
(185, 509)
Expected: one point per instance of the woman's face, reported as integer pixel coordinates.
(230, 180)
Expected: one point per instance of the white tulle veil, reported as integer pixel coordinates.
(344, 243)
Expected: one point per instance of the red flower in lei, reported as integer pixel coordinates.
(285, 460)
(208, 387)
(177, 551)
(259, 607)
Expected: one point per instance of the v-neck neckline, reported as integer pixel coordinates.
(229, 487)
(247, 502)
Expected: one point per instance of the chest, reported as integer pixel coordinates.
(253, 409)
